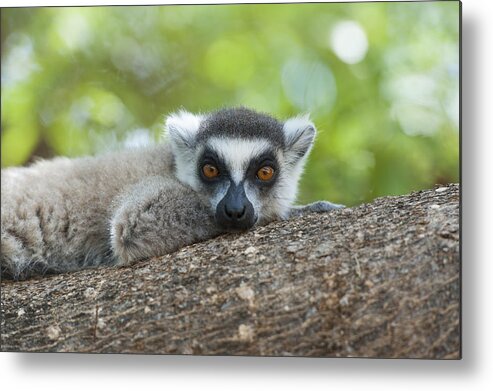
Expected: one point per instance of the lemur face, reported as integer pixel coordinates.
(245, 163)
(238, 175)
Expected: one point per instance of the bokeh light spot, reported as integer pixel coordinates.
(310, 86)
(348, 41)
(73, 30)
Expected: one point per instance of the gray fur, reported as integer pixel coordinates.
(68, 214)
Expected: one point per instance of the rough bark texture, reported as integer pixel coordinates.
(378, 280)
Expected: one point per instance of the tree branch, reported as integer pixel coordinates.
(378, 280)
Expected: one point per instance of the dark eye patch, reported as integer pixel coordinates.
(266, 159)
(212, 158)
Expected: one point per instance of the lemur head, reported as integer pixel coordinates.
(247, 164)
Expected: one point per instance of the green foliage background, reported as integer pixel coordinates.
(80, 80)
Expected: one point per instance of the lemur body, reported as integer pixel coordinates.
(221, 172)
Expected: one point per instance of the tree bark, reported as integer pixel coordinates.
(377, 280)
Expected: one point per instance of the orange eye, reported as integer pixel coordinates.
(210, 171)
(265, 173)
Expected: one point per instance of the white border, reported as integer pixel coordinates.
(474, 372)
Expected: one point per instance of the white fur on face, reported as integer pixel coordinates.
(252, 195)
(299, 133)
(237, 153)
(219, 195)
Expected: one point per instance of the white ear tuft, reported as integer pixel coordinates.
(182, 127)
(299, 133)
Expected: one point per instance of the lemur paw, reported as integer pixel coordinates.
(315, 207)
(123, 242)
(322, 206)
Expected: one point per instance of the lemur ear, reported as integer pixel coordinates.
(182, 127)
(299, 133)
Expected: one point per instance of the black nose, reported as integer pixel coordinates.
(235, 212)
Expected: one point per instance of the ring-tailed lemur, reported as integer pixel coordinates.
(219, 172)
